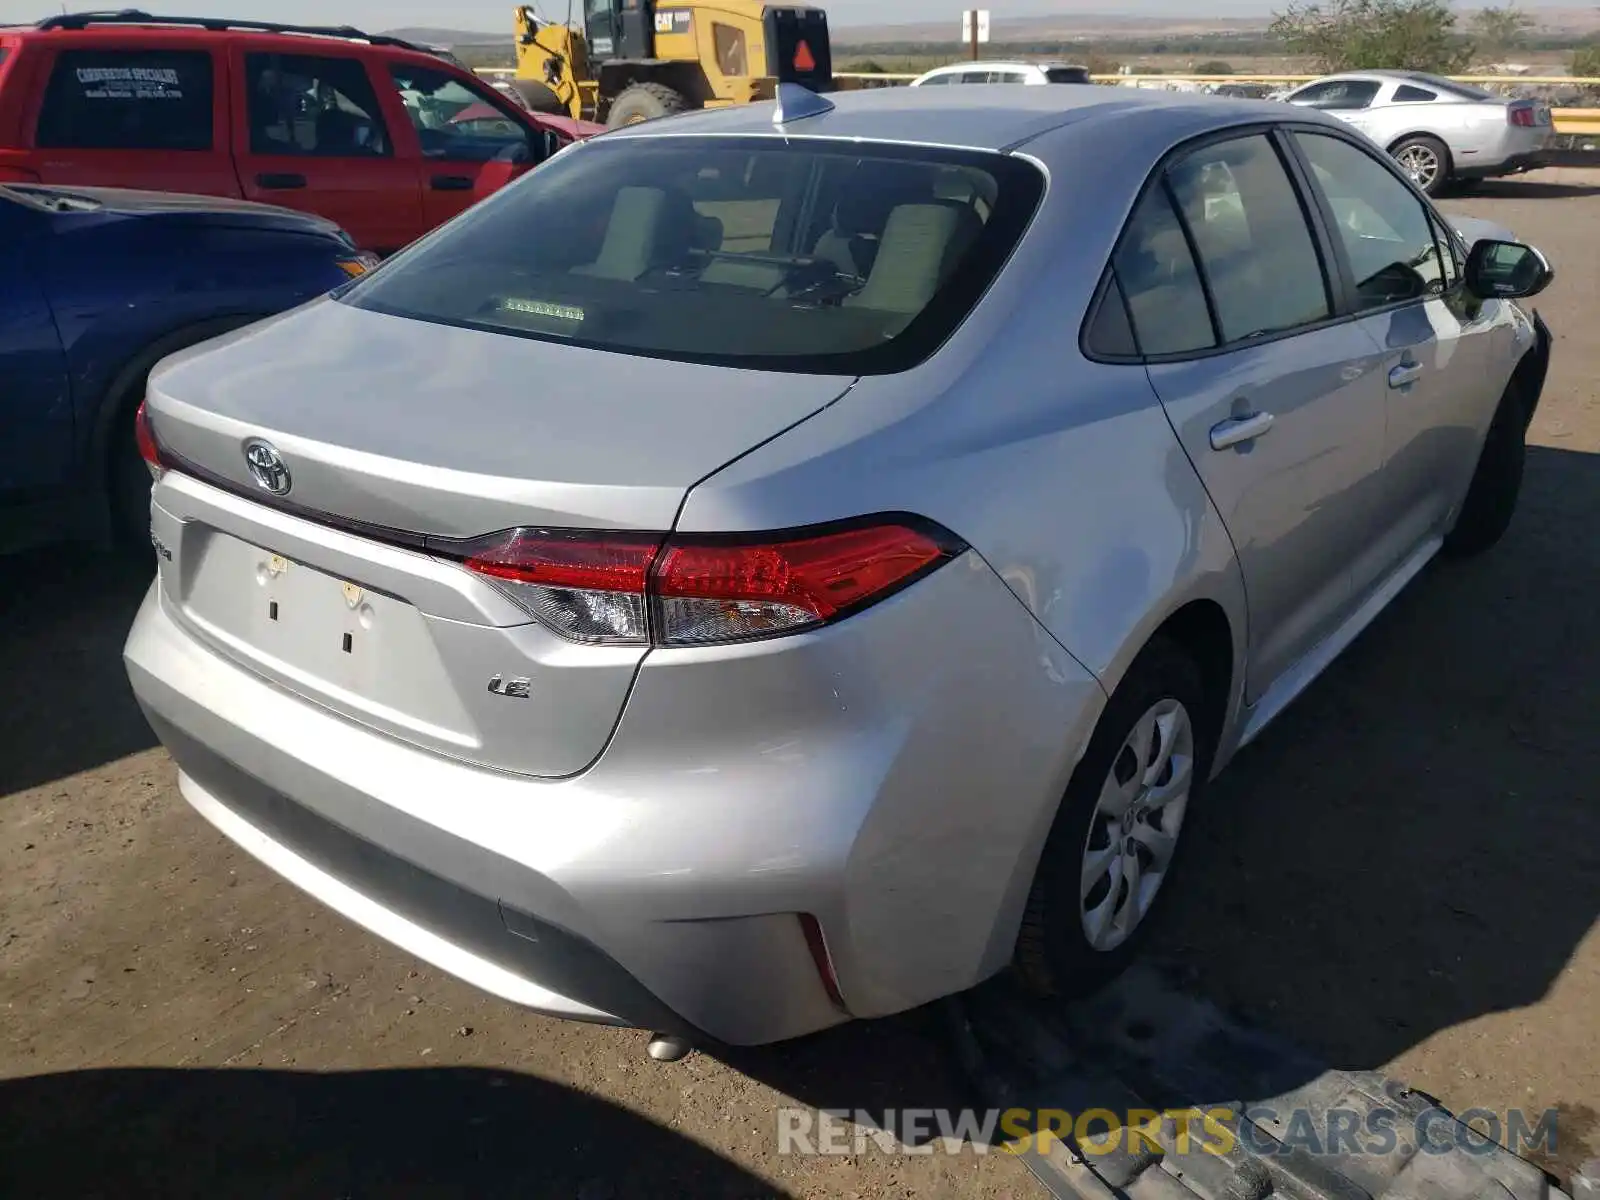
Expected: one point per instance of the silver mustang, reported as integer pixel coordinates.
(1440, 131)
(767, 568)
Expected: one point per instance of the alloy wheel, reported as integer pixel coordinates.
(1421, 163)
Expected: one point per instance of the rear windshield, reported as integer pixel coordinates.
(807, 255)
(1067, 74)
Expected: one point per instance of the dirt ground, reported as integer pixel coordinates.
(1404, 874)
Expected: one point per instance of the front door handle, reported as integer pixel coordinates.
(1239, 429)
(1405, 373)
(451, 183)
(281, 183)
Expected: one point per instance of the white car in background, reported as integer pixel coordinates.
(1440, 131)
(1005, 72)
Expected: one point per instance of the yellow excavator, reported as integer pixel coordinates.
(635, 60)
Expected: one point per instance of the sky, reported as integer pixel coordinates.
(494, 16)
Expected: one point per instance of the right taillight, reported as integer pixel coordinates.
(648, 589)
(145, 435)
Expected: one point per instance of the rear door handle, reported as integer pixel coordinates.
(451, 183)
(1239, 429)
(281, 183)
(1406, 372)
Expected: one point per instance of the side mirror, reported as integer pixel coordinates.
(550, 143)
(1506, 270)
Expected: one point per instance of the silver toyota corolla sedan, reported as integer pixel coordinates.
(768, 568)
(1440, 131)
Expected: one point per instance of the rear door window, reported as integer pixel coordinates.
(812, 256)
(1254, 244)
(128, 100)
(313, 105)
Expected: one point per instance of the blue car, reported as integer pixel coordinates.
(97, 285)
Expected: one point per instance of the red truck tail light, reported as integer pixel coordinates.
(149, 449)
(687, 590)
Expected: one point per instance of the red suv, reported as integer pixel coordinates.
(384, 137)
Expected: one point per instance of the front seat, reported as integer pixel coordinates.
(853, 239)
(921, 245)
(649, 228)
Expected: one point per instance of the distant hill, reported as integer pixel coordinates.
(1067, 26)
(1063, 26)
(430, 36)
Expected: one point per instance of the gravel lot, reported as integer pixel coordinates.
(1403, 875)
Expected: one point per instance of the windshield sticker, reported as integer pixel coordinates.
(129, 83)
(542, 308)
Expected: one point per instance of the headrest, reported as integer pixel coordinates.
(921, 244)
(877, 188)
(649, 227)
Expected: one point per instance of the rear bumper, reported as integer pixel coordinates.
(1516, 164)
(893, 776)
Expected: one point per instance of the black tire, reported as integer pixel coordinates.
(1054, 956)
(1496, 483)
(128, 484)
(645, 102)
(1418, 147)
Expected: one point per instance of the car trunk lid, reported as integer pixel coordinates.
(397, 437)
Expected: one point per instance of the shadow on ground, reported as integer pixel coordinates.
(1416, 842)
(271, 1134)
(64, 614)
(1518, 188)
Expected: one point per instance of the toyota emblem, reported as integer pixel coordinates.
(266, 468)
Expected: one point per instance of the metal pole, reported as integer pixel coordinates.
(972, 15)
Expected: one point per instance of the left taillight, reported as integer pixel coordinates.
(149, 448)
(650, 589)
(1522, 115)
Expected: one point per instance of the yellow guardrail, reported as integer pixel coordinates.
(1579, 121)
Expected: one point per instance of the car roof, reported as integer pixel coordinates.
(1009, 63)
(1438, 83)
(133, 25)
(980, 117)
(1378, 75)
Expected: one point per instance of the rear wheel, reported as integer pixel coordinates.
(1496, 484)
(1426, 160)
(645, 102)
(1115, 841)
